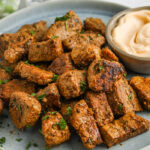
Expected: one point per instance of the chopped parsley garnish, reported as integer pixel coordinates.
(26, 62)
(40, 97)
(20, 109)
(82, 32)
(32, 32)
(69, 111)
(55, 37)
(28, 146)
(63, 18)
(3, 82)
(40, 131)
(47, 148)
(55, 77)
(130, 96)
(8, 69)
(124, 74)
(54, 113)
(62, 124)
(66, 26)
(45, 117)
(83, 86)
(2, 141)
(101, 68)
(28, 126)
(19, 139)
(98, 34)
(90, 38)
(33, 94)
(120, 107)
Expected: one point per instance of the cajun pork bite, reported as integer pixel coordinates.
(108, 54)
(103, 73)
(82, 56)
(49, 96)
(15, 85)
(61, 64)
(54, 129)
(124, 128)
(24, 109)
(4, 76)
(95, 24)
(36, 30)
(102, 111)
(33, 74)
(123, 98)
(72, 84)
(65, 26)
(45, 51)
(142, 87)
(85, 38)
(83, 122)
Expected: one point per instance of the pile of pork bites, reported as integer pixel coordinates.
(63, 76)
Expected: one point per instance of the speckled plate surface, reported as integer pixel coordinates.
(48, 11)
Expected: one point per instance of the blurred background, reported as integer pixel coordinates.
(9, 6)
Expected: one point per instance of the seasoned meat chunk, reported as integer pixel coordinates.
(36, 30)
(1, 106)
(4, 76)
(128, 126)
(102, 111)
(103, 73)
(83, 121)
(142, 87)
(109, 55)
(50, 95)
(15, 85)
(45, 51)
(123, 98)
(24, 109)
(61, 64)
(54, 129)
(72, 84)
(33, 74)
(95, 24)
(82, 56)
(84, 39)
(65, 26)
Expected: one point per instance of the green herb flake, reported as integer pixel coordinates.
(19, 139)
(8, 69)
(40, 131)
(124, 74)
(32, 32)
(45, 117)
(28, 126)
(82, 32)
(20, 109)
(63, 18)
(66, 26)
(98, 34)
(26, 62)
(69, 111)
(55, 37)
(62, 124)
(130, 96)
(33, 94)
(47, 148)
(2, 141)
(54, 113)
(3, 82)
(121, 107)
(90, 38)
(28, 146)
(83, 86)
(101, 68)
(40, 97)
(55, 77)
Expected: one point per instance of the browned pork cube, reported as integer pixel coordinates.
(142, 87)
(54, 129)
(95, 24)
(61, 64)
(83, 121)
(103, 73)
(4, 76)
(45, 51)
(123, 98)
(49, 96)
(36, 30)
(72, 84)
(24, 109)
(82, 56)
(33, 74)
(15, 85)
(102, 111)
(65, 26)
(128, 126)
(109, 55)
(84, 39)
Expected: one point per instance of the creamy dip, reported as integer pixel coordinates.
(132, 33)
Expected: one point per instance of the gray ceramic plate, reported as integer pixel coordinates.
(48, 11)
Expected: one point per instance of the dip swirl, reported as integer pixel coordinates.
(132, 33)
